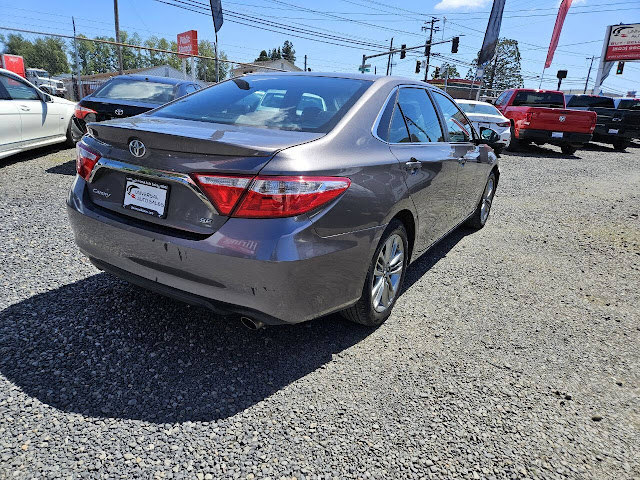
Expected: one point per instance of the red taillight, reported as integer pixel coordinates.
(85, 160)
(81, 112)
(270, 197)
(223, 191)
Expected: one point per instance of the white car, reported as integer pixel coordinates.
(484, 115)
(30, 118)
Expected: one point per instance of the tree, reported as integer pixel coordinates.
(263, 57)
(447, 68)
(48, 53)
(275, 54)
(288, 52)
(206, 69)
(504, 71)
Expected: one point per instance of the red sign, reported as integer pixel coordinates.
(188, 44)
(13, 63)
(624, 43)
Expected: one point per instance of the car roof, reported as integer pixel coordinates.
(473, 102)
(151, 78)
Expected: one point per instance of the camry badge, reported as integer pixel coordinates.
(119, 111)
(562, 118)
(137, 148)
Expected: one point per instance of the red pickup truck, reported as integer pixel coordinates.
(540, 116)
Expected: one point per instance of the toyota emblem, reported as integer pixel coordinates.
(119, 111)
(562, 118)
(137, 148)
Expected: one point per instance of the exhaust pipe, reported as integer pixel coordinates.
(251, 324)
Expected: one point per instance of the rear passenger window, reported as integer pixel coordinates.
(398, 132)
(419, 115)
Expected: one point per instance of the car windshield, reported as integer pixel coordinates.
(301, 103)
(590, 101)
(482, 108)
(629, 104)
(539, 99)
(136, 90)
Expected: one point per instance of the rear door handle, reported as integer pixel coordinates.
(24, 108)
(413, 164)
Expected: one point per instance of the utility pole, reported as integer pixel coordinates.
(117, 18)
(78, 70)
(427, 47)
(389, 59)
(493, 74)
(588, 74)
(305, 63)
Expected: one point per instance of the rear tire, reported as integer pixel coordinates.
(375, 306)
(568, 149)
(69, 141)
(621, 145)
(481, 213)
(514, 143)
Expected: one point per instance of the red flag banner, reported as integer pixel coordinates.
(562, 13)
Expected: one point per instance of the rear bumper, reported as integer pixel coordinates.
(546, 136)
(278, 271)
(609, 133)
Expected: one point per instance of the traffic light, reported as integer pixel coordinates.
(437, 73)
(403, 52)
(620, 68)
(454, 44)
(418, 62)
(427, 49)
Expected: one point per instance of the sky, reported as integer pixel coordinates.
(368, 24)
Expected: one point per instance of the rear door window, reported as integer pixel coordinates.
(420, 115)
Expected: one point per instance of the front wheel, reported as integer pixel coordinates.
(481, 213)
(384, 278)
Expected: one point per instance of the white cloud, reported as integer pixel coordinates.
(452, 4)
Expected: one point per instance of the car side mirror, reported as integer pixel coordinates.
(488, 136)
(46, 97)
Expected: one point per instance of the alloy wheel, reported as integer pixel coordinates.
(387, 273)
(487, 198)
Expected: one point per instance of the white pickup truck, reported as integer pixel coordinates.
(41, 79)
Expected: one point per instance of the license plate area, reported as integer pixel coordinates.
(146, 196)
(557, 134)
(613, 130)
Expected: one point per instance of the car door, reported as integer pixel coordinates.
(416, 139)
(39, 119)
(471, 170)
(10, 134)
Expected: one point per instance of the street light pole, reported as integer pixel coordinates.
(428, 46)
(117, 20)
(588, 75)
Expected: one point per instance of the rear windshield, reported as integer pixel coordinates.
(538, 99)
(301, 103)
(590, 101)
(136, 90)
(482, 108)
(629, 104)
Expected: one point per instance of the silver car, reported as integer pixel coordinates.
(314, 205)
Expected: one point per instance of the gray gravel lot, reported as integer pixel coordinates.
(513, 353)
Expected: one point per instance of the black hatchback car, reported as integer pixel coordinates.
(126, 96)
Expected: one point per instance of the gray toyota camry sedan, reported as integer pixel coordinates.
(281, 197)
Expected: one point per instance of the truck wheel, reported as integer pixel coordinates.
(620, 145)
(514, 143)
(568, 149)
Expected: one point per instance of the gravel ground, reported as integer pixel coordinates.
(513, 353)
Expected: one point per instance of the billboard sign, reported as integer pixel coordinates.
(624, 43)
(188, 44)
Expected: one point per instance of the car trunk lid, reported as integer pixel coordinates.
(174, 150)
(560, 120)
